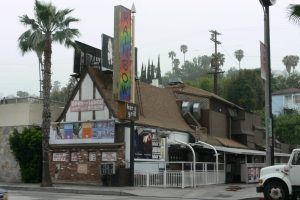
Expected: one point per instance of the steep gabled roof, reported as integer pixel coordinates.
(158, 104)
(287, 91)
(186, 89)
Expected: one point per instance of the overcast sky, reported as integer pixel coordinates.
(161, 26)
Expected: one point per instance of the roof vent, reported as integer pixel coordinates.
(187, 107)
(197, 111)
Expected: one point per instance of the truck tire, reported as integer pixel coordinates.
(275, 190)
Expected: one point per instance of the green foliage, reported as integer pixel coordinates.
(205, 83)
(158, 71)
(22, 94)
(62, 94)
(287, 127)
(245, 89)
(27, 149)
(284, 82)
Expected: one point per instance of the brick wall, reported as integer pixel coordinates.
(82, 170)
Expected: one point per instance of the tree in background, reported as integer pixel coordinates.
(149, 80)
(22, 94)
(152, 71)
(199, 67)
(143, 76)
(62, 94)
(158, 71)
(290, 62)
(287, 127)
(172, 55)
(184, 49)
(49, 25)
(284, 82)
(176, 68)
(294, 13)
(246, 90)
(239, 54)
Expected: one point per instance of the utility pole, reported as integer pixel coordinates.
(215, 64)
(268, 95)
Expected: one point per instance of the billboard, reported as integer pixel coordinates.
(107, 52)
(122, 54)
(83, 132)
(85, 56)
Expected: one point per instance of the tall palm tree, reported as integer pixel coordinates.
(49, 25)
(184, 49)
(239, 54)
(172, 55)
(25, 45)
(294, 12)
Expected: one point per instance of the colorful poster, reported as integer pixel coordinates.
(68, 131)
(86, 130)
(83, 132)
(148, 145)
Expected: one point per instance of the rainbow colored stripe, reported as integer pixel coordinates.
(125, 55)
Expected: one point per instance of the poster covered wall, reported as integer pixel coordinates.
(83, 132)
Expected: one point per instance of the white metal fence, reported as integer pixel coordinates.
(172, 176)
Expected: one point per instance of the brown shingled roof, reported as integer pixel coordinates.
(186, 89)
(158, 104)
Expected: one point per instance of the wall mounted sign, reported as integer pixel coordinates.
(59, 157)
(87, 105)
(83, 132)
(109, 156)
(122, 54)
(128, 111)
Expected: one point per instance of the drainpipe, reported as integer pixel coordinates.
(194, 159)
(217, 159)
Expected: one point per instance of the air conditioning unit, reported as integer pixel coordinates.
(197, 111)
(186, 107)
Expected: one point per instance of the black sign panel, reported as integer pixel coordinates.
(107, 52)
(86, 56)
(132, 111)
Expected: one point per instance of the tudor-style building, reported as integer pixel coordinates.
(88, 137)
(89, 141)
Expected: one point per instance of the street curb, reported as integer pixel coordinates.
(64, 190)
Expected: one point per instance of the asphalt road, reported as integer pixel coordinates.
(33, 195)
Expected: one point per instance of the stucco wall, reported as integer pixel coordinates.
(10, 170)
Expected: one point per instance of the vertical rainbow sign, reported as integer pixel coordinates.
(123, 44)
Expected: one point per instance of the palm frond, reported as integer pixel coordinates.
(294, 13)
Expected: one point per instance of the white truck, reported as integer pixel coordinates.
(281, 181)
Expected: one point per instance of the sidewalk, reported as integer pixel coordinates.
(221, 191)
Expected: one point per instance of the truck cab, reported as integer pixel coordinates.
(281, 181)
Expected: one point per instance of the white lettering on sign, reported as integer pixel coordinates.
(87, 105)
(109, 156)
(59, 157)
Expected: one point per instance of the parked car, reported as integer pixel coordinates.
(3, 194)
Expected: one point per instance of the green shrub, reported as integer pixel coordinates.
(27, 149)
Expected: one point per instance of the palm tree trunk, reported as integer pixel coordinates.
(46, 179)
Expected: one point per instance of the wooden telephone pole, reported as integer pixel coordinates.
(215, 63)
